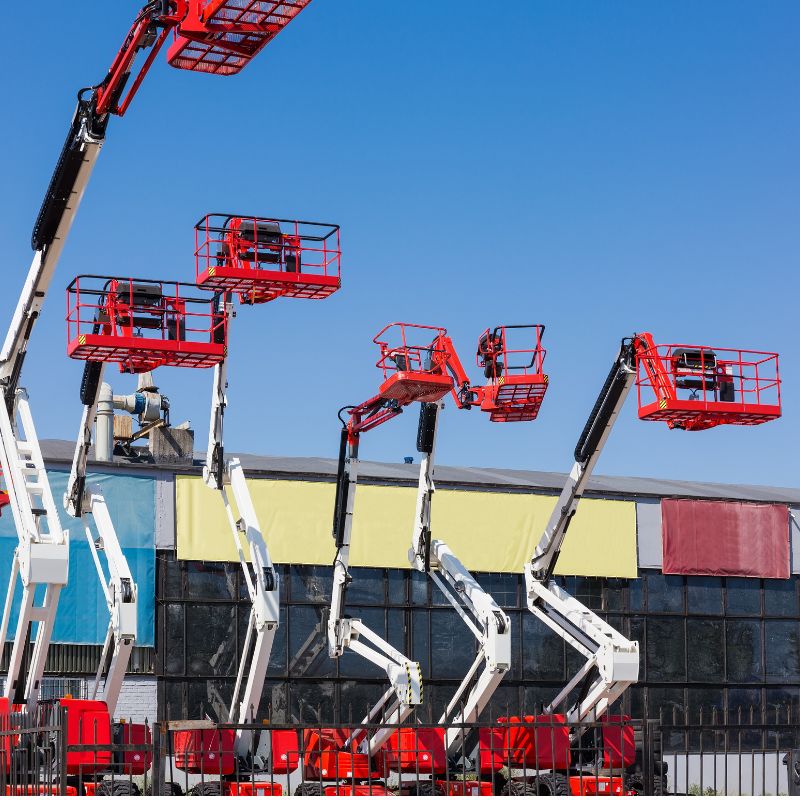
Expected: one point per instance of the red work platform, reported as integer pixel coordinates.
(413, 366)
(512, 358)
(263, 258)
(222, 36)
(143, 324)
(694, 387)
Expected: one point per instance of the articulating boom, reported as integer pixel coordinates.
(476, 607)
(413, 372)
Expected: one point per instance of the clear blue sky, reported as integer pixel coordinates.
(598, 167)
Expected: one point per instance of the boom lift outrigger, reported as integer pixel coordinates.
(219, 36)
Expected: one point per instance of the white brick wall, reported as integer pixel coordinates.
(138, 699)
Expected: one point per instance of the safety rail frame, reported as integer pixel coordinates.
(725, 386)
(104, 328)
(222, 36)
(279, 266)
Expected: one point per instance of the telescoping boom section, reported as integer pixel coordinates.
(692, 388)
(512, 360)
(225, 33)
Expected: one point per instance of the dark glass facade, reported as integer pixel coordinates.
(705, 642)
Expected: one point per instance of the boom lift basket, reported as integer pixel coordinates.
(414, 367)
(263, 258)
(517, 383)
(694, 387)
(143, 324)
(222, 36)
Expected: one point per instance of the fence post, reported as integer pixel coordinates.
(158, 760)
(62, 750)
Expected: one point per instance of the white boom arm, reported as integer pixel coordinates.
(121, 598)
(119, 588)
(405, 675)
(476, 607)
(264, 592)
(42, 556)
(612, 661)
(260, 576)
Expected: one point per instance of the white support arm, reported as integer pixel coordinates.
(121, 597)
(405, 675)
(264, 591)
(490, 625)
(41, 558)
(612, 661)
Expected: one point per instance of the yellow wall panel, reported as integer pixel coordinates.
(489, 531)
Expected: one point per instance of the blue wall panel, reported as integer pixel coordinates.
(82, 613)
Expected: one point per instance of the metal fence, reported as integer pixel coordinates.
(747, 752)
(61, 749)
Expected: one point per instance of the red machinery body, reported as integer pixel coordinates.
(88, 723)
(222, 36)
(514, 366)
(596, 785)
(327, 759)
(539, 743)
(133, 762)
(143, 324)
(263, 258)
(419, 750)
(694, 387)
(208, 751)
(619, 742)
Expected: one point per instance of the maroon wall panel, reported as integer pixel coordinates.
(702, 537)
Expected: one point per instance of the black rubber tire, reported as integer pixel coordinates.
(207, 789)
(172, 789)
(427, 789)
(635, 783)
(552, 784)
(117, 788)
(518, 789)
(309, 790)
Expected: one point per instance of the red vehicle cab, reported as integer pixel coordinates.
(263, 258)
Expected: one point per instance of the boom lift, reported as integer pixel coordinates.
(223, 36)
(516, 389)
(139, 325)
(259, 259)
(425, 373)
(414, 371)
(688, 387)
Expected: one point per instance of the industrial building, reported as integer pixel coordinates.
(707, 640)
